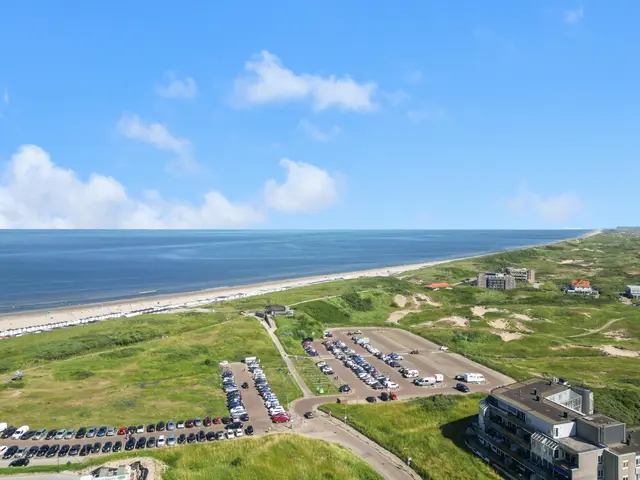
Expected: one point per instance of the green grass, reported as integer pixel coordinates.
(283, 456)
(313, 377)
(429, 430)
(172, 374)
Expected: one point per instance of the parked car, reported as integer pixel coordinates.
(96, 447)
(64, 449)
(171, 441)
(308, 415)
(160, 426)
(107, 447)
(53, 450)
(122, 431)
(39, 434)
(182, 439)
(73, 451)
(117, 446)
(344, 388)
(21, 462)
(151, 428)
(51, 435)
(80, 433)
(19, 432)
(92, 432)
(102, 431)
(171, 425)
(32, 452)
(372, 399)
(161, 441)
(462, 388)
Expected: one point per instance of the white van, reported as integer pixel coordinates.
(19, 432)
(424, 382)
(410, 373)
(474, 378)
(251, 360)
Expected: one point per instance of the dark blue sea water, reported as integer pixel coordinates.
(50, 268)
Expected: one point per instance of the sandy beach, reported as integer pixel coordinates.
(9, 323)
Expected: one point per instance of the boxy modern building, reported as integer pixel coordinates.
(633, 291)
(496, 281)
(539, 429)
(522, 274)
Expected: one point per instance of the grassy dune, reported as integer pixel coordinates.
(168, 368)
(428, 431)
(281, 457)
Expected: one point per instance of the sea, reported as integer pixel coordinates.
(42, 269)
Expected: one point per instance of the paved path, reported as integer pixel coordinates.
(274, 338)
(591, 332)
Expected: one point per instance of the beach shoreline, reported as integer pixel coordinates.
(129, 307)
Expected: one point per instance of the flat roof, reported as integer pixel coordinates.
(623, 448)
(577, 445)
(598, 419)
(522, 395)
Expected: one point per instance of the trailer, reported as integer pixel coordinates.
(473, 378)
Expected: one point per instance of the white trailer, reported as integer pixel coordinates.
(410, 373)
(473, 378)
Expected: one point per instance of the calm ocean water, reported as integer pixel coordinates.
(44, 269)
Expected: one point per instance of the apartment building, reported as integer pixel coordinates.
(496, 281)
(633, 291)
(581, 286)
(522, 274)
(540, 429)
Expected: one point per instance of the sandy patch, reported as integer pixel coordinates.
(455, 321)
(618, 351)
(427, 324)
(522, 316)
(480, 311)
(588, 315)
(509, 336)
(569, 262)
(522, 328)
(626, 301)
(422, 298)
(569, 347)
(500, 324)
(400, 300)
(617, 335)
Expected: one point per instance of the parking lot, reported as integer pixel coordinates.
(258, 418)
(429, 361)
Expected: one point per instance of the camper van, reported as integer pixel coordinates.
(473, 378)
(409, 373)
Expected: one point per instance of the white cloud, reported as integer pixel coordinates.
(550, 210)
(177, 88)
(159, 136)
(5, 95)
(426, 114)
(574, 16)
(36, 193)
(307, 188)
(316, 134)
(268, 81)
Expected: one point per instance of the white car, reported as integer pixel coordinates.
(391, 385)
(181, 424)
(239, 432)
(19, 432)
(321, 364)
(61, 433)
(237, 411)
(161, 441)
(276, 410)
(231, 434)
(140, 429)
(444, 348)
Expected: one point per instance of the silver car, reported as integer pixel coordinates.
(171, 425)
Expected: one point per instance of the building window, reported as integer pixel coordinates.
(626, 477)
(556, 431)
(625, 464)
(600, 473)
(599, 459)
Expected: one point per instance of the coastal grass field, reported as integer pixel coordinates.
(282, 456)
(318, 382)
(429, 430)
(131, 371)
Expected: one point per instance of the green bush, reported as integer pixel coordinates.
(358, 303)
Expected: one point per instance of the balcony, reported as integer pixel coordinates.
(510, 433)
(512, 418)
(516, 456)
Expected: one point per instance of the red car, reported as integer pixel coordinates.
(281, 418)
(122, 431)
(393, 396)
(190, 423)
(217, 420)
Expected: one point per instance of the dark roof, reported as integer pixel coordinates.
(522, 395)
(623, 448)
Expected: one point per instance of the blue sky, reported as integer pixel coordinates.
(325, 114)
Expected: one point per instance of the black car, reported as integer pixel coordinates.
(107, 447)
(345, 388)
(28, 435)
(81, 432)
(8, 432)
(160, 426)
(191, 438)
(130, 445)
(151, 427)
(73, 451)
(53, 450)
(64, 449)
(248, 430)
(308, 415)
(96, 447)
(181, 439)
(43, 450)
(211, 436)
(32, 452)
(21, 462)
(384, 396)
(461, 387)
(151, 443)
(372, 399)
(131, 429)
(85, 450)
(201, 436)
(245, 385)
(244, 417)
(51, 434)
(142, 442)
(10, 452)
(117, 446)
(234, 425)
(226, 420)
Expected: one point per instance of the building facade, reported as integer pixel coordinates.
(581, 286)
(633, 291)
(496, 281)
(522, 274)
(540, 429)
